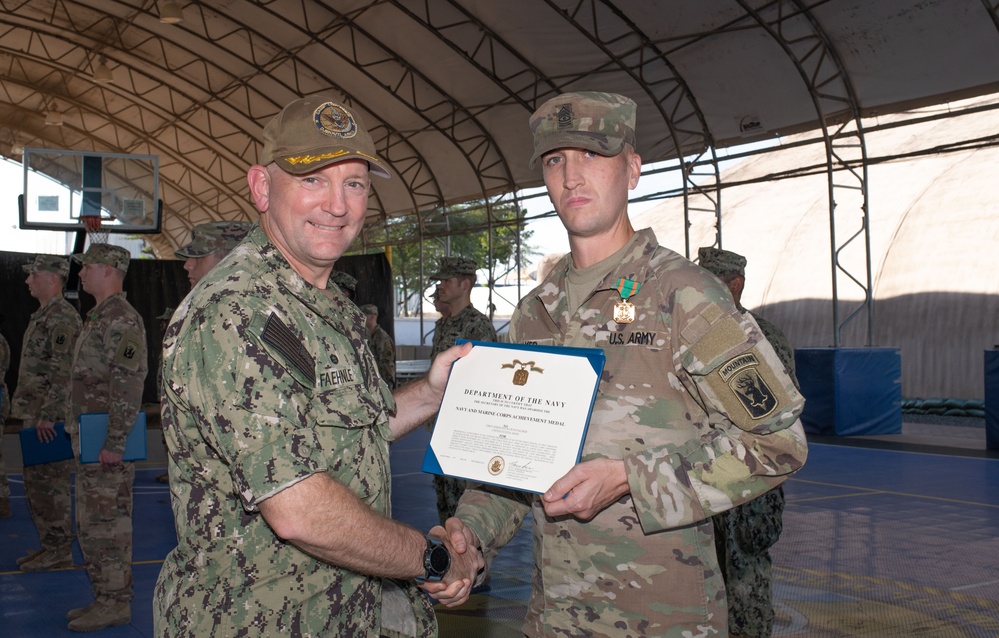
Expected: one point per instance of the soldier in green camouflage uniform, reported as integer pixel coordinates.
(42, 387)
(456, 277)
(278, 424)
(745, 534)
(4, 409)
(107, 375)
(380, 344)
(694, 413)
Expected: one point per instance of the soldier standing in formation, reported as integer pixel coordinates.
(745, 533)
(4, 409)
(694, 413)
(380, 343)
(107, 375)
(456, 278)
(41, 401)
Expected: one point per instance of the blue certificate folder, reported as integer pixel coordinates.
(593, 357)
(94, 429)
(34, 452)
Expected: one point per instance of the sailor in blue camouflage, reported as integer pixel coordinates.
(456, 277)
(40, 402)
(694, 413)
(278, 423)
(108, 374)
(745, 534)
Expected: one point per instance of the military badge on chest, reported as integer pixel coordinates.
(624, 310)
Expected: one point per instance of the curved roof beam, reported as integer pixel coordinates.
(798, 31)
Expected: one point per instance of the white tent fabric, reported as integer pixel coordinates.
(934, 234)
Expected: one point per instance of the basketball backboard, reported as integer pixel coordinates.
(61, 186)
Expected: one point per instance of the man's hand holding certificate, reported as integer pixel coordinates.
(515, 415)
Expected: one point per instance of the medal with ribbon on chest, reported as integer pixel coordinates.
(624, 310)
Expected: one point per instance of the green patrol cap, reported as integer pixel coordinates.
(316, 131)
(370, 309)
(454, 267)
(721, 262)
(598, 122)
(343, 280)
(106, 254)
(48, 263)
(212, 237)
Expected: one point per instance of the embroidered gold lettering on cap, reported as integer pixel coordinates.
(624, 311)
(520, 376)
(334, 120)
(748, 386)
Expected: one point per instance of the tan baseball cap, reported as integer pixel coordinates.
(316, 131)
(593, 121)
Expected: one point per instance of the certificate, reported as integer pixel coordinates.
(515, 415)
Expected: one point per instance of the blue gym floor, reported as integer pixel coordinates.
(877, 542)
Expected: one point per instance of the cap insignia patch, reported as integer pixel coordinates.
(333, 120)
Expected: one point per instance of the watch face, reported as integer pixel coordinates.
(440, 560)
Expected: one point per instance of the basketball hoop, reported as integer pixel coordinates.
(96, 234)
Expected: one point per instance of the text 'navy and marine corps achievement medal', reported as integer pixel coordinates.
(624, 310)
(523, 370)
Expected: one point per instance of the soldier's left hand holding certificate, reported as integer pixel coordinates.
(515, 415)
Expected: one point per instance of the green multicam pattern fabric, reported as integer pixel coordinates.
(693, 446)
(107, 375)
(266, 381)
(4, 410)
(109, 369)
(472, 325)
(591, 120)
(383, 350)
(745, 534)
(42, 394)
(46, 357)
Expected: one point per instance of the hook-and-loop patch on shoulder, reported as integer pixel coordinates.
(285, 341)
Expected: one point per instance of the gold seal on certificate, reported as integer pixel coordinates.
(523, 430)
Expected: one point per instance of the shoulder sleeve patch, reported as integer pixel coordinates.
(62, 340)
(130, 350)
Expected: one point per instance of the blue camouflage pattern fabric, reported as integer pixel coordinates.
(700, 409)
(472, 325)
(107, 375)
(745, 534)
(266, 381)
(42, 394)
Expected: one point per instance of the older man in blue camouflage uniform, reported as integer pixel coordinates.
(278, 424)
(455, 278)
(108, 372)
(745, 533)
(694, 413)
(41, 400)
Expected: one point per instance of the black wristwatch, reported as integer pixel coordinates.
(436, 560)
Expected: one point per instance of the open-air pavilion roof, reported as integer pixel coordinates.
(447, 85)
